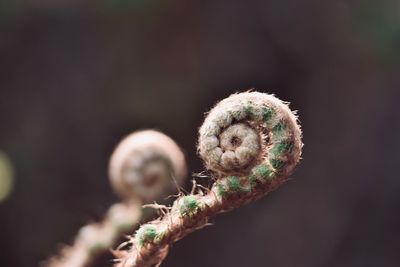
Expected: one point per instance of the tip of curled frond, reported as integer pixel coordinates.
(232, 137)
(145, 165)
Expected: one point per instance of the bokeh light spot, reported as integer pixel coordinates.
(6, 177)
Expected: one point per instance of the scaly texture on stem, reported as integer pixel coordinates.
(251, 142)
(145, 166)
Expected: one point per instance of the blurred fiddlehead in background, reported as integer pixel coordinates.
(145, 166)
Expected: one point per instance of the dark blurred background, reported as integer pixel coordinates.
(76, 76)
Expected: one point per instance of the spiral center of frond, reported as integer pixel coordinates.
(240, 145)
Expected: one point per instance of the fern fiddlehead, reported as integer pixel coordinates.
(251, 142)
(144, 167)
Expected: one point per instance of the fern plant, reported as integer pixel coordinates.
(145, 166)
(251, 142)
